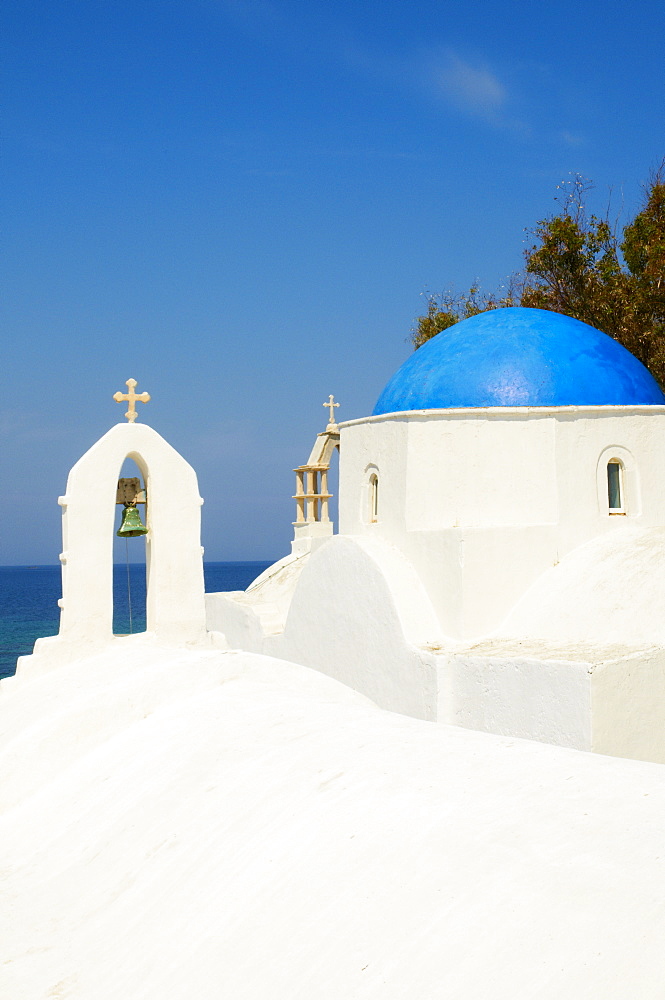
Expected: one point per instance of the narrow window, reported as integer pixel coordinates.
(614, 487)
(373, 498)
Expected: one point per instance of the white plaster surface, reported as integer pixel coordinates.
(354, 609)
(483, 501)
(610, 590)
(357, 611)
(542, 694)
(204, 824)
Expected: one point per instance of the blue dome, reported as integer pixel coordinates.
(519, 357)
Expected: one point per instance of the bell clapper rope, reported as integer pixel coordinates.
(129, 586)
(130, 527)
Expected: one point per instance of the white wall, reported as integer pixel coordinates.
(519, 690)
(463, 472)
(357, 612)
(484, 501)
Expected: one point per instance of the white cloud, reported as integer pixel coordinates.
(571, 138)
(472, 88)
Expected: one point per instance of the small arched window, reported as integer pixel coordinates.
(615, 487)
(373, 498)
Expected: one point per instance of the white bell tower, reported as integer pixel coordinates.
(175, 606)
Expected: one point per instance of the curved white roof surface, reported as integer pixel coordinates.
(180, 825)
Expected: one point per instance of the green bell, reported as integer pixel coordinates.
(131, 524)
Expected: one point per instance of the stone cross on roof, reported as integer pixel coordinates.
(331, 404)
(131, 397)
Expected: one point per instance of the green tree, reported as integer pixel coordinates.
(574, 264)
(443, 311)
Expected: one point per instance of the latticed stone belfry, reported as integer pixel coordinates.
(312, 496)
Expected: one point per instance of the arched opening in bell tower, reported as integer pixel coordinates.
(129, 551)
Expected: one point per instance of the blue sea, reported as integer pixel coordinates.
(29, 601)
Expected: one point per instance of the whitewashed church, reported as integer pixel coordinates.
(365, 776)
(500, 561)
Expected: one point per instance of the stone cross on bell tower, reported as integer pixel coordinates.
(131, 398)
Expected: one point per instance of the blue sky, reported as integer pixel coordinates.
(239, 203)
